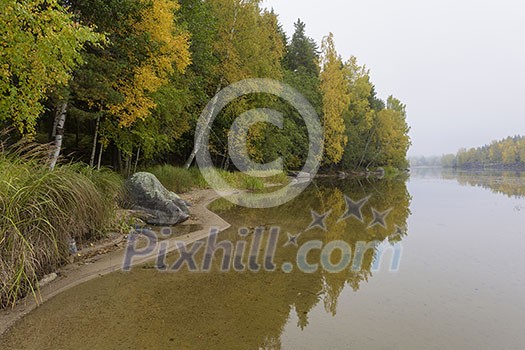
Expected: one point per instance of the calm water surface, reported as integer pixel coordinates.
(460, 283)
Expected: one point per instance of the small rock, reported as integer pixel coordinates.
(47, 279)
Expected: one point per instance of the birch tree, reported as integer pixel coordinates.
(40, 45)
(336, 98)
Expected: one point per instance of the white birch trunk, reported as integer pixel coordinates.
(58, 132)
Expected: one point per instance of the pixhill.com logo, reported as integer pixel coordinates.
(256, 250)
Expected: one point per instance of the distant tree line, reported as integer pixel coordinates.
(425, 161)
(122, 83)
(507, 153)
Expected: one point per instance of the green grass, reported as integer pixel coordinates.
(180, 180)
(40, 211)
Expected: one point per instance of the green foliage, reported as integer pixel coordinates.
(359, 117)
(40, 46)
(375, 103)
(267, 142)
(250, 182)
(378, 134)
(391, 172)
(138, 93)
(302, 54)
(301, 64)
(129, 82)
(248, 41)
(248, 44)
(40, 211)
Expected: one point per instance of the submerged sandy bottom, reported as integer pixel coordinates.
(460, 285)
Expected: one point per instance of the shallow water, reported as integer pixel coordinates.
(456, 241)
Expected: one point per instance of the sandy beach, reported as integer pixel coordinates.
(110, 257)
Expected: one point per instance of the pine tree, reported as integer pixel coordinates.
(303, 53)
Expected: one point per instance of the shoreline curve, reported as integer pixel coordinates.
(73, 275)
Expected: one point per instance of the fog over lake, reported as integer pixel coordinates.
(458, 65)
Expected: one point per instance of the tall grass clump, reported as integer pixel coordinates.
(41, 211)
(242, 181)
(180, 180)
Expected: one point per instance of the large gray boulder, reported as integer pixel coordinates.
(156, 205)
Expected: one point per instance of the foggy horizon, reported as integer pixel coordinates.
(456, 65)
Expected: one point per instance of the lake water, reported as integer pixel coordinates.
(451, 276)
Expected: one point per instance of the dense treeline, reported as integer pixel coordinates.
(122, 83)
(506, 153)
(425, 161)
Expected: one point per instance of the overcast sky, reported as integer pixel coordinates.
(458, 65)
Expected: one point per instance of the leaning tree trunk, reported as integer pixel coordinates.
(99, 162)
(198, 139)
(58, 132)
(136, 161)
(94, 147)
(200, 136)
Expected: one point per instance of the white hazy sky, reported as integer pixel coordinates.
(458, 65)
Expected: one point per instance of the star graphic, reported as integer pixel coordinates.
(354, 209)
(379, 218)
(292, 240)
(319, 220)
(400, 232)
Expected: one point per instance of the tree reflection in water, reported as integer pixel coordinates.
(147, 309)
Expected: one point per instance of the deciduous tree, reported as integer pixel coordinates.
(40, 45)
(336, 98)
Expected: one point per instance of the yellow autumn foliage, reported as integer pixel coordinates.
(336, 99)
(158, 22)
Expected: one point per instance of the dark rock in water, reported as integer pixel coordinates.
(159, 206)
